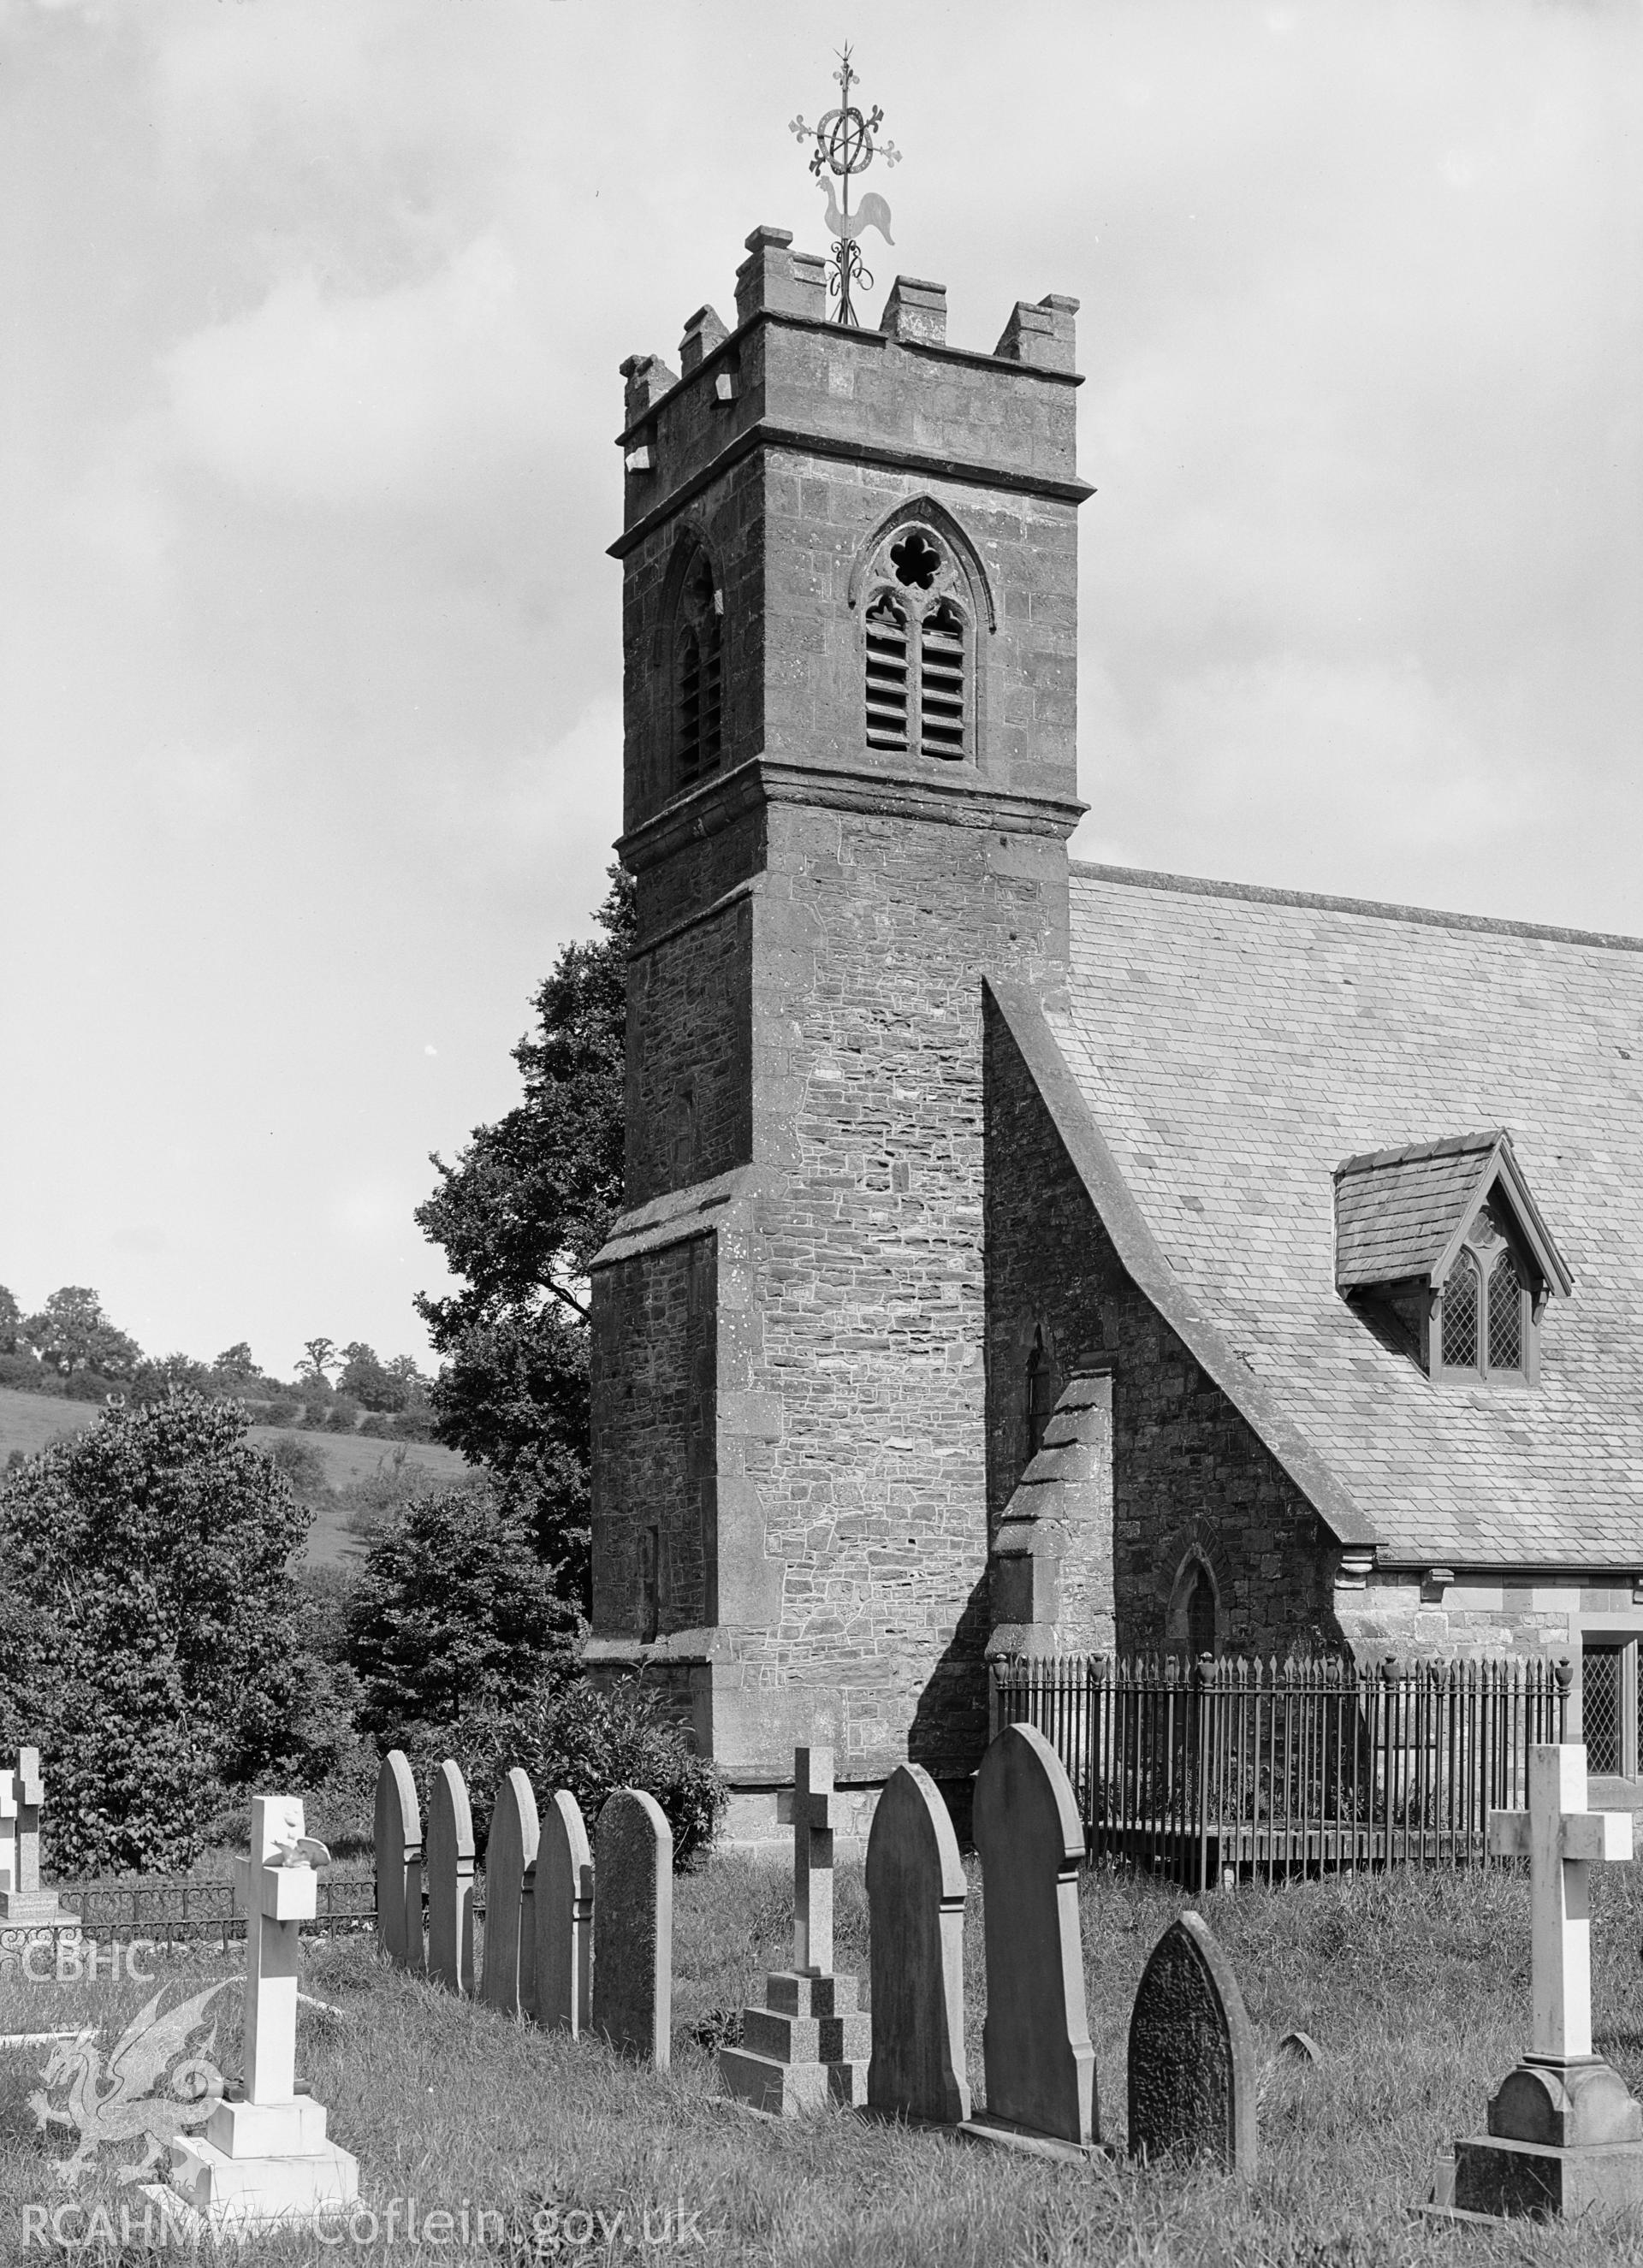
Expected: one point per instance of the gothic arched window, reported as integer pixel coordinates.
(1201, 1614)
(1484, 1324)
(920, 651)
(698, 676)
(1040, 1395)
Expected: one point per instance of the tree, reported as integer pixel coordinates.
(403, 1369)
(371, 1385)
(72, 1333)
(153, 1650)
(321, 1357)
(236, 1365)
(454, 1613)
(156, 1379)
(11, 1321)
(520, 1215)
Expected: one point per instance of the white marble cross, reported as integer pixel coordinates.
(278, 1896)
(813, 1861)
(1560, 1838)
(31, 1794)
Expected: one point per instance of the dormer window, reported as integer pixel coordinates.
(1441, 1249)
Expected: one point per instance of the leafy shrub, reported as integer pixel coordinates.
(149, 1639)
(27, 1376)
(567, 1732)
(91, 1385)
(452, 1612)
(343, 1414)
(302, 1465)
(284, 1411)
(413, 1426)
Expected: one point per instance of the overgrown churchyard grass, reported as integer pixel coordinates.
(1417, 1986)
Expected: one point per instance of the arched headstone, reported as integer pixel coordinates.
(916, 1893)
(451, 1882)
(1192, 2066)
(398, 1842)
(509, 1975)
(1040, 2065)
(633, 1926)
(565, 1919)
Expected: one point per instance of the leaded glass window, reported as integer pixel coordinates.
(1506, 1314)
(1460, 1316)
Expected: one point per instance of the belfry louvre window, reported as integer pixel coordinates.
(698, 677)
(919, 661)
(887, 673)
(942, 681)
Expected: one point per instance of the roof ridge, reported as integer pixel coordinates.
(1372, 909)
(1407, 1153)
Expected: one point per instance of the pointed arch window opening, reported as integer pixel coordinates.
(919, 653)
(1201, 1614)
(698, 677)
(1042, 1395)
(1484, 1303)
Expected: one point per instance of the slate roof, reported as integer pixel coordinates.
(1397, 1210)
(1233, 1046)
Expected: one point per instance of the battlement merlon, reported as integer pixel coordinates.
(788, 376)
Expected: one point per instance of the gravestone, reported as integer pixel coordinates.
(808, 2043)
(398, 1848)
(509, 1978)
(565, 1919)
(1564, 2134)
(916, 1892)
(633, 1926)
(451, 1882)
(1040, 2065)
(22, 1903)
(264, 2157)
(1192, 2062)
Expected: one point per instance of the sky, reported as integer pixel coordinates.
(309, 644)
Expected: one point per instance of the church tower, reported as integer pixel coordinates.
(849, 627)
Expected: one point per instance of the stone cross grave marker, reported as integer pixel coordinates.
(565, 1919)
(813, 1862)
(397, 1843)
(24, 1900)
(1564, 2131)
(264, 2156)
(916, 1893)
(509, 1978)
(808, 2043)
(633, 1926)
(451, 1882)
(1192, 2061)
(1040, 2065)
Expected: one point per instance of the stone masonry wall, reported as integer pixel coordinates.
(851, 1387)
(654, 1352)
(1188, 1471)
(689, 1006)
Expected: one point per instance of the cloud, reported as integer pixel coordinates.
(316, 397)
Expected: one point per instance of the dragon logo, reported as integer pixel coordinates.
(150, 2089)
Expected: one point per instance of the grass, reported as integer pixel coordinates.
(1416, 1986)
(29, 1421)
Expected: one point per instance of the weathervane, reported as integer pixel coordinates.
(844, 148)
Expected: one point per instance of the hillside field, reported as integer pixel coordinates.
(28, 1421)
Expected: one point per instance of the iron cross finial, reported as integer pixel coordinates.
(845, 146)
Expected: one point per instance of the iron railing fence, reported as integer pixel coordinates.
(1207, 1768)
(176, 1909)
